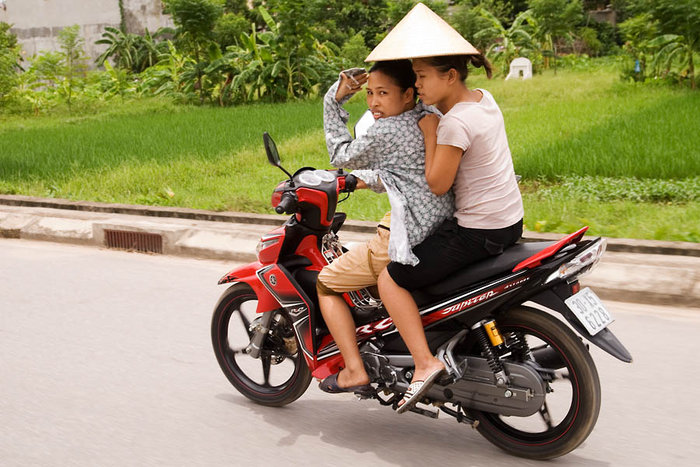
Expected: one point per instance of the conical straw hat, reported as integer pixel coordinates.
(421, 33)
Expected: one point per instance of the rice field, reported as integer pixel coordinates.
(571, 135)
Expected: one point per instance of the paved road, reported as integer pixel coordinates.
(105, 359)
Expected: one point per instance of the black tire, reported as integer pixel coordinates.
(234, 314)
(577, 375)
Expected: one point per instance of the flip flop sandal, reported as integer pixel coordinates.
(330, 385)
(416, 390)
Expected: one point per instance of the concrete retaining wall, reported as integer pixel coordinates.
(38, 22)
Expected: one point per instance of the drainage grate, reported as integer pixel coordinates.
(136, 241)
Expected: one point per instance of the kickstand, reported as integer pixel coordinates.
(427, 413)
(461, 415)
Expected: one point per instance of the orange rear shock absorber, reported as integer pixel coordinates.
(489, 337)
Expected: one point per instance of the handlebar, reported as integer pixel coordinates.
(350, 183)
(287, 204)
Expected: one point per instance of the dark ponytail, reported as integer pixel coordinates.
(459, 63)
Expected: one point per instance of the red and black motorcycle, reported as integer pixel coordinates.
(515, 372)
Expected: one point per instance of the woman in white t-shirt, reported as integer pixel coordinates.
(467, 150)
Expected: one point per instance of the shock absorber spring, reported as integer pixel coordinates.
(519, 347)
(491, 357)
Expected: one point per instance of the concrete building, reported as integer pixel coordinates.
(37, 22)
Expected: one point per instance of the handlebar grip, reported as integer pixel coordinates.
(286, 204)
(350, 183)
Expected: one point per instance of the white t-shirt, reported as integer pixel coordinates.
(486, 191)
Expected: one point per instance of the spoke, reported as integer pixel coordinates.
(544, 413)
(246, 323)
(266, 360)
(233, 352)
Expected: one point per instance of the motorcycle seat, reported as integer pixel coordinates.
(479, 272)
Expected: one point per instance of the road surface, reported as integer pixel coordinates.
(105, 359)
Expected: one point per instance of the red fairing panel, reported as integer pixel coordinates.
(266, 302)
(316, 198)
(289, 297)
(272, 245)
(309, 249)
(536, 259)
(330, 366)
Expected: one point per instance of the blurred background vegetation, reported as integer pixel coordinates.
(227, 52)
(605, 134)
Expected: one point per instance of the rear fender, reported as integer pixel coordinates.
(604, 339)
(248, 275)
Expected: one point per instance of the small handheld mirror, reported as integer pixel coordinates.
(273, 155)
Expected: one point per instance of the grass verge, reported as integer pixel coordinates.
(623, 159)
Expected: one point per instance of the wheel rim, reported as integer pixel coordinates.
(276, 370)
(561, 407)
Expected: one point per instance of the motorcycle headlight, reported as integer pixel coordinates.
(587, 259)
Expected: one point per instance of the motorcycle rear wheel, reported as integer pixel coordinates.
(231, 324)
(577, 378)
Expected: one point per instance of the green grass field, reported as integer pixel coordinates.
(573, 136)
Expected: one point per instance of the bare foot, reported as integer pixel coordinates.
(426, 374)
(347, 378)
(423, 372)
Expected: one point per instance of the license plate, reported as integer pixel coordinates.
(589, 310)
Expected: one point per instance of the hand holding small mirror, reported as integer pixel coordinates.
(351, 81)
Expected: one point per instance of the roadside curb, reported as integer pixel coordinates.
(660, 273)
(614, 244)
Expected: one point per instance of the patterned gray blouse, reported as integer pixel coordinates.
(395, 150)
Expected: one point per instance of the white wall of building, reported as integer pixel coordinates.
(37, 22)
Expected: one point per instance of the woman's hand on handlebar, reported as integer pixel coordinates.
(361, 185)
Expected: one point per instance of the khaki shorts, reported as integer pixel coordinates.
(357, 268)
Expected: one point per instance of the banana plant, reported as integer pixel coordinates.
(673, 48)
(514, 41)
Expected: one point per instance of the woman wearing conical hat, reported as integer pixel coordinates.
(469, 153)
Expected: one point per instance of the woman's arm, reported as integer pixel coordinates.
(443, 168)
(344, 151)
(441, 161)
(369, 179)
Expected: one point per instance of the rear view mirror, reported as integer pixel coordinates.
(271, 149)
(363, 124)
(272, 155)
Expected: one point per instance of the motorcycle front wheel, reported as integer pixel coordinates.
(280, 375)
(572, 402)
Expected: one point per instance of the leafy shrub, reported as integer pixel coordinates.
(9, 61)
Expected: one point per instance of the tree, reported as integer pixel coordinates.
(557, 19)
(637, 33)
(133, 52)
(74, 60)
(229, 28)
(339, 20)
(680, 18)
(672, 48)
(512, 42)
(195, 20)
(590, 40)
(467, 19)
(397, 9)
(354, 51)
(664, 33)
(9, 61)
